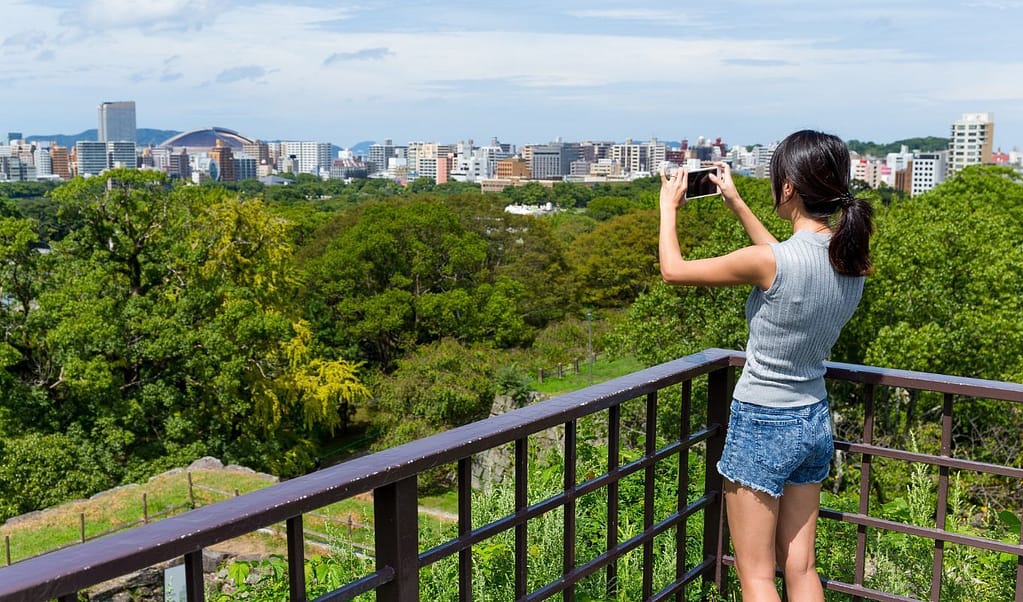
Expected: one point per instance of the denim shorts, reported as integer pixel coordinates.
(767, 448)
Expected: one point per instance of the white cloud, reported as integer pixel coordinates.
(364, 54)
(24, 41)
(235, 74)
(149, 15)
(662, 17)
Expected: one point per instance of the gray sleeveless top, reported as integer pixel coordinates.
(794, 324)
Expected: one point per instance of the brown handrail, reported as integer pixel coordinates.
(391, 475)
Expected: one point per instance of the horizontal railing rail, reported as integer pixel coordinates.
(391, 475)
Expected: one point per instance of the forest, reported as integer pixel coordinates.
(147, 323)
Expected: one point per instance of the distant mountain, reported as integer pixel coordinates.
(362, 148)
(143, 137)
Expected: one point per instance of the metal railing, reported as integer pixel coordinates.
(391, 476)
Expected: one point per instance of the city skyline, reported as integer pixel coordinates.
(524, 72)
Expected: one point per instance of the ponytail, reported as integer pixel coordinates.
(817, 166)
(849, 250)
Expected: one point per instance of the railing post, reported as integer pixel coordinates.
(715, 532)
(194, 584)
(296, 559)
(397, 539)
(464, 528)
(941, 512)
(860, 568)
(568, 552)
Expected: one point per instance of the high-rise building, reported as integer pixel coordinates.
(379, 154)
(224, 158)
(303, 157)
(972, 141)
(117, 121)
(122, 154)
(245, 168)
(927, 170)
(180, 165)
(553, 161)
(638, 157)
(43, 161)
(258, 150)
(92, 157)
(59, 161)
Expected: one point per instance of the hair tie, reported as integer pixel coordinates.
(846, 200)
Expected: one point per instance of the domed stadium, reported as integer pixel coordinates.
(205, 139)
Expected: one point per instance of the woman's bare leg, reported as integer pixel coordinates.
(796, 534)
(752, 518)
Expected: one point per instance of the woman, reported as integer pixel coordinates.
(778, 445)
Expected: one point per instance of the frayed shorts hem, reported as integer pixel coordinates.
(754, 487)
(750, 485)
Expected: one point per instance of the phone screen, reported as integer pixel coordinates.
(700, 184)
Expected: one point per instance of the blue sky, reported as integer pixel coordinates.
(526, 71)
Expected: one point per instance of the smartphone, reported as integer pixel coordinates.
(699, 183)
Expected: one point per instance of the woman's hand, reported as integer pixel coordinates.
(724, 181)
(673, 189)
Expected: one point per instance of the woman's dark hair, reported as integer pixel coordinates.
(817, 165)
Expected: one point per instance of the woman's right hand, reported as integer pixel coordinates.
(725, 183)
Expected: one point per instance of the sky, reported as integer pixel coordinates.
(529, 71)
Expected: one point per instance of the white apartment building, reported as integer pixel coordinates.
(43, 162)
(972, 141)
(303, 156)
(639, 157)
(928, 171)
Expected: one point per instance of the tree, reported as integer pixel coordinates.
(167, 328)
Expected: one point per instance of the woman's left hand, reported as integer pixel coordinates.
(673, 189)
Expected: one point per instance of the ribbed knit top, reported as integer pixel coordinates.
(794, 324)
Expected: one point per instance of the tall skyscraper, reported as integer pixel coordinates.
(222, 154)
(972, 141)
(117, 121)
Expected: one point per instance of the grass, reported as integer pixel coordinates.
(603, 369)
(167, 494)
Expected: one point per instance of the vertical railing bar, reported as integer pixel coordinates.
(296, 559)
(1019, 569)
(649, 474)
(464, 527)
(614, 426)
(865, 469)
(715, 531)
(521, 530)
(195, 587)
(396, 539)
(568, 557)
(683, 485)
(941, 513)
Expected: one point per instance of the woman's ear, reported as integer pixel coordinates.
(787, 190)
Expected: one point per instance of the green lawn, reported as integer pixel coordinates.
(603, 369)
(123, 507)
